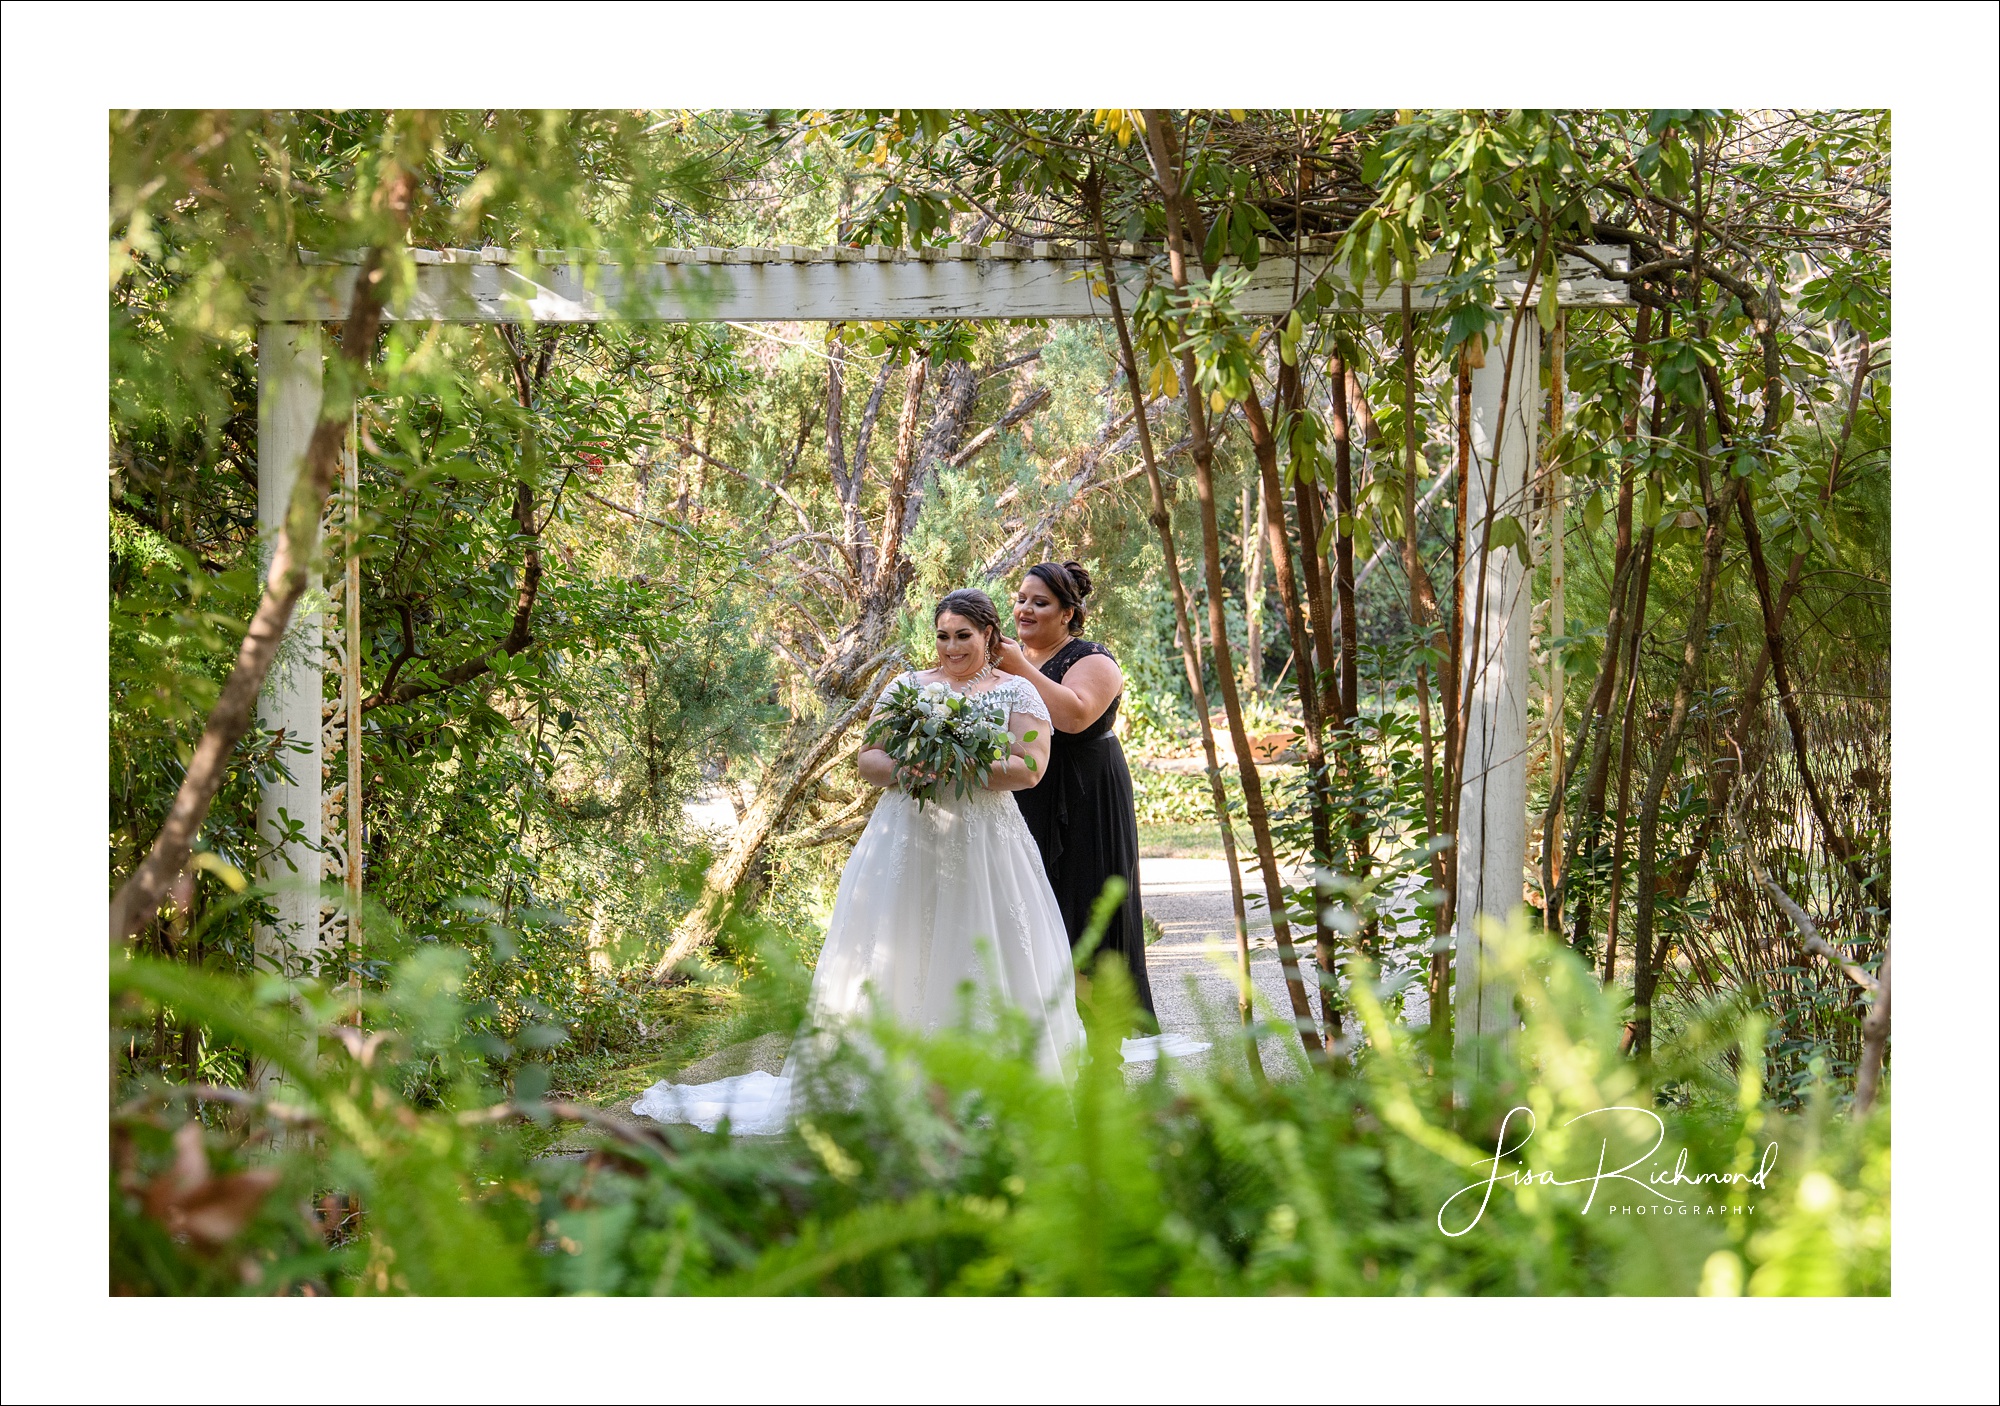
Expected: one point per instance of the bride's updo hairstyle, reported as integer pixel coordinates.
(1069, 583)
(977, 607)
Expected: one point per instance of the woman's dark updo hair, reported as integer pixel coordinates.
(1069, 583)
(977, 607)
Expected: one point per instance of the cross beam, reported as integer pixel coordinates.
(873, 284)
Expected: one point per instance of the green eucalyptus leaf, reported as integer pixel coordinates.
(1593, 513)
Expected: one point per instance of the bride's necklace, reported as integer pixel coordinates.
(961, 685)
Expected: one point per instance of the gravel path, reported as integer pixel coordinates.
(1193, 964)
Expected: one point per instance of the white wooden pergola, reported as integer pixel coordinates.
(875, 283)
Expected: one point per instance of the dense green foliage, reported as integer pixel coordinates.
(609, 571)
(951, 1166)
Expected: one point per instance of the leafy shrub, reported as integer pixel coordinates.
(1180, 798)
(952, 1166)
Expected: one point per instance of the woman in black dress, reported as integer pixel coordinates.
(1081, 815)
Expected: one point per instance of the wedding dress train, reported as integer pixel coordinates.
(932, 898)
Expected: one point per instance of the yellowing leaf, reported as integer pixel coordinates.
(215, 864)
(1119, 122)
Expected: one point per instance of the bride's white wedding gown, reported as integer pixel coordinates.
(932, 898)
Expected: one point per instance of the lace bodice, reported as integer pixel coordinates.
(1013, 692)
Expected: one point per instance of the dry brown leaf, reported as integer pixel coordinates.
(211, 1210)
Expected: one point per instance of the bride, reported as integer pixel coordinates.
(932, 898)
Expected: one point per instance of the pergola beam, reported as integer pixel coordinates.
(870, 284)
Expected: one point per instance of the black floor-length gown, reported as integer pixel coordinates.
(1082, 818)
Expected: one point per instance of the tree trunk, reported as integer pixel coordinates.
(1593, 738)
(293, 557)
(1353, 764)
(1555, 517)
(736, 880)
(1423, 613)
(1590, 819)
(1627, 738)
(1326, 941)
(1343, 575)
(1752, 693)
(1641, 588)
(1647, 950)
(1866, 879)
(1452, 683)
(1325, 678)
(1184, 631)
(1253, 588)
(1315, 709)
(1874, 1041)
(860, 662)
(1180, 232)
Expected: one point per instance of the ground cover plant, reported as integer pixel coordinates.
(950, 1165)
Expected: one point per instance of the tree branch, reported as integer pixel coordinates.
(865, 436)
(139, 897)
(1809, 937)
(641, 517)
(691, 447)
(409, 650)
(888, 557)
(1030, 403)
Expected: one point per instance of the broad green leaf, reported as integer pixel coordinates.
(1507, 532)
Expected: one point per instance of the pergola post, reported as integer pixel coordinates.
(1493, 789)
(290, 363)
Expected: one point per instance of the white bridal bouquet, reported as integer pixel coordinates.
(945, 737)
